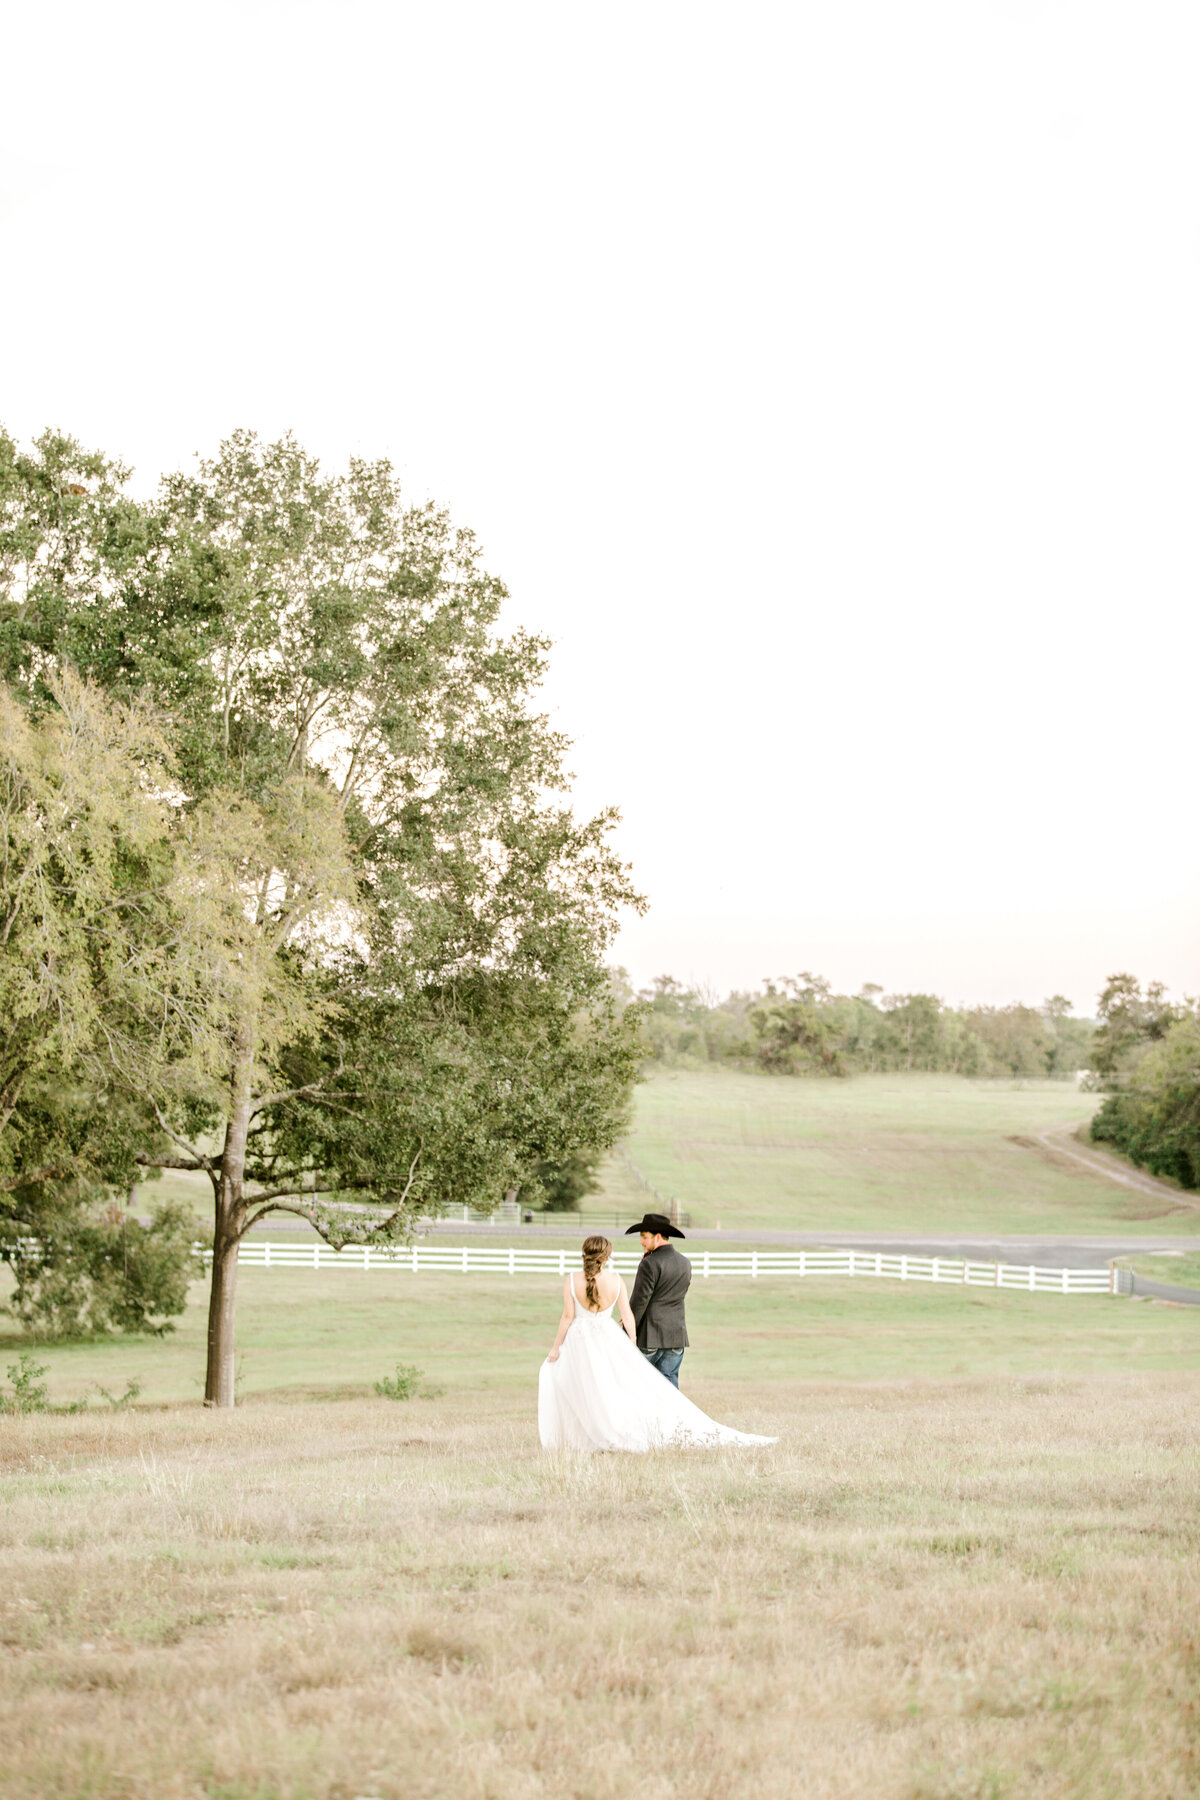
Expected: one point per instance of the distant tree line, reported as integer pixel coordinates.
(800, 1026)
(1147, 1053)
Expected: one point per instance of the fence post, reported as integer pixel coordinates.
(317, 1254)
(754, 1265)
(464, 1265)
(562, 1263)
(996, 1266)
(706, 1255)
(804, 1262)
(1032, 1273)
(366, 1257)
(1065, 1285)
(267, 1254)
(512, 1262)
(1113, 1287)
(936, 1269)
(879, 1263)
(904, 1268)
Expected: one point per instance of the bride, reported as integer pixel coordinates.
(596, 1391)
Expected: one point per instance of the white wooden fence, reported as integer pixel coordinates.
(484, 1259)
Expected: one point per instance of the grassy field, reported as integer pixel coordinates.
(1180, 1267)
(967, 1590)
(315, 1335)
(969, 1569)
(879, 1152)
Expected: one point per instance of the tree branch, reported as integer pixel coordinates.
(310, 1087)
(277, 1201)
(348, 783)
(300, 1212)
(202, 1161)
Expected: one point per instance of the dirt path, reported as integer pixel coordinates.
(1063, 1142)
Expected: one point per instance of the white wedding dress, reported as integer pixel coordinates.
(602, 1394)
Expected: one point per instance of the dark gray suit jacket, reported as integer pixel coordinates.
(663, 1278)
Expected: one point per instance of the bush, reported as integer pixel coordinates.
(29, 1393)
(402, 1385)
(118, 1402)
(105, 1274)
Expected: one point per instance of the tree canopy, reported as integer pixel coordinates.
(800, 1026)
(395, 923)
(1148, 1055)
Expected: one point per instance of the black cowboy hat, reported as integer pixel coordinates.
(656, 1222)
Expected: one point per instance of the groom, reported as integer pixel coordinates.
(663, 1279)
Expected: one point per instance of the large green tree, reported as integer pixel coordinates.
(1129, 1021)
(404, 925)
(795, 1029)
(1148, 1051)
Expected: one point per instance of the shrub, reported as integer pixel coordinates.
(104, 1274)
(119, 1402)
(402, 1385)
(29, 1393)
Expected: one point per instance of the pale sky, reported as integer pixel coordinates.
(823, 378)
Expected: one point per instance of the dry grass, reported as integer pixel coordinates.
(927, 1591)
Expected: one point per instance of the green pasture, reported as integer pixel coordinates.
(316, 1335)
(1181, 1268)
(919, 1153)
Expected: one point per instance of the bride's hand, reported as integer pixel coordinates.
(553, 1356)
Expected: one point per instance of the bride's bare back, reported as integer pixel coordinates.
(608, 1286)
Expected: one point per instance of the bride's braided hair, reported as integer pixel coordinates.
(596, 1252)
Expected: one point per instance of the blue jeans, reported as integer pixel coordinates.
(666, 1362)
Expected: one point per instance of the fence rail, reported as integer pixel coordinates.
(484, 1259)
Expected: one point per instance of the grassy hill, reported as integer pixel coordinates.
(923, 1153)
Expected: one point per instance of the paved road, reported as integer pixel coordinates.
(1049, 1252)
(1161, 1290)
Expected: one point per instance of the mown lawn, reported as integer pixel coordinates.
(321, 1334)
(878, 1152)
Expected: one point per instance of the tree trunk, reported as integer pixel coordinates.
(230, 1211)
(222, 1299)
